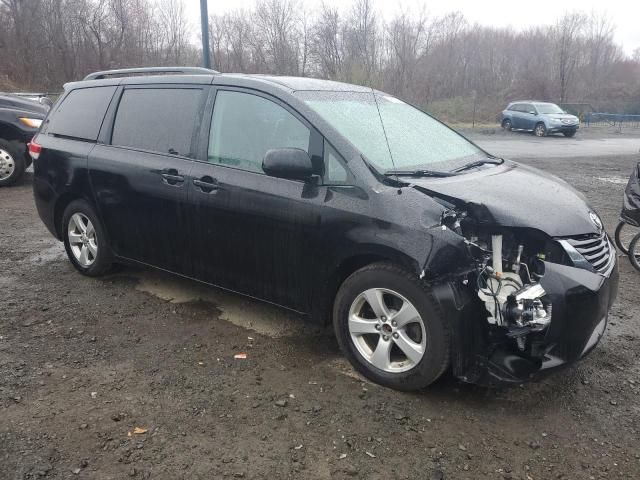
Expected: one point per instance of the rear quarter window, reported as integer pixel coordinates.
(81, 113)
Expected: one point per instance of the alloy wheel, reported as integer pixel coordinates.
(387, 330)
(7, 165)
(540, 130)
(82, 239)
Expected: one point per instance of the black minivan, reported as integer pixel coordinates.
(337, 201)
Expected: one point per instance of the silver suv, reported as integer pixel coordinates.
(541, 118)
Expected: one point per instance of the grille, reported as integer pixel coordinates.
(596, 250)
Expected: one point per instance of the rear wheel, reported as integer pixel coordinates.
(634, 252)
(85, 240)
(390, 329)
(12, 162)
(540, 130)
(624, 234)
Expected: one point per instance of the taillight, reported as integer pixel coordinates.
(34, 149)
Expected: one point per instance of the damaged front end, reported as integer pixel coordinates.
(527, 303)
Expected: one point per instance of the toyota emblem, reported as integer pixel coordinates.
(596, 220)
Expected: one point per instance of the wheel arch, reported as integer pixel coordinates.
(62, 203)
(10, 132)
(323, 303)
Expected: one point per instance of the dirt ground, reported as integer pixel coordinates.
(84, 362)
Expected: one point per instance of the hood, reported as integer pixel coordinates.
(23, 104)
(514, 195)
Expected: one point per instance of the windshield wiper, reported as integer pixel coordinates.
(417, 173)
(478, 163)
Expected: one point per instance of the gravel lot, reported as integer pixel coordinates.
(83, 362)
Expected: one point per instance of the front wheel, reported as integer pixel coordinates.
(540, 130)
(12, 163)
(634, 252)
(624, 234)
(85, 240)
(390, 329)
(506, 124)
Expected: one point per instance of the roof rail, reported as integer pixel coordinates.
(149, 71)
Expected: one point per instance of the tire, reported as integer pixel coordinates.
(424, 327)
(623, 236)
(540, 130)
(569, 134)
(12, 162)
(94, 244)
(634, 252)
(506, 124)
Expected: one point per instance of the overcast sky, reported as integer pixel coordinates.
(624, 13)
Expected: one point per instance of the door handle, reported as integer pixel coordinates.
(206, 184)
(171, 176)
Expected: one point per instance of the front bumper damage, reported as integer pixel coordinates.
(488, 355)
(525, 289)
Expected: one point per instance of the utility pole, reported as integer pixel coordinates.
(204, 19)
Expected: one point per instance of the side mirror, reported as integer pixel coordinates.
(290, 163)
(533, 113)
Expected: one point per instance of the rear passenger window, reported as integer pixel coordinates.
(157, 119)
(246, 126)
(81, 113)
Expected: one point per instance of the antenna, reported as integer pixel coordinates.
(384, 130)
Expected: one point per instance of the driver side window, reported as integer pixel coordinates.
(245, 126)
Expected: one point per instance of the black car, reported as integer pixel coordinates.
(336, 201)
(20, 119)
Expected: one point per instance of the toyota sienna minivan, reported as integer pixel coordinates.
(336, 201)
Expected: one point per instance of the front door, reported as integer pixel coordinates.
(140, 177)
(252, 233)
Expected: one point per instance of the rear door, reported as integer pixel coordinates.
(529, 116)
(141, 172)
(252, 233)
(516, 117)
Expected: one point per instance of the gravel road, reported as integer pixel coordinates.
(84, 362)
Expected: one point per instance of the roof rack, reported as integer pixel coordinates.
(149, 71)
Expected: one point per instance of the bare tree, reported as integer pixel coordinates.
(443, 63)
(327, 43)
(567, 34)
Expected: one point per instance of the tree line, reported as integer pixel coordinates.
(444, 63)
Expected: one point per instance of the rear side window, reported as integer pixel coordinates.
(157, 119)
(81, 113)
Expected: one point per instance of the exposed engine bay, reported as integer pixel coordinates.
(510, 289)
(509, 266)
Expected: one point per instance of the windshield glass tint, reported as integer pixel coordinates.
(415, 140)
(548, 108)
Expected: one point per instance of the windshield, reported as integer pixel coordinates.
(548, 108)
(399, 137)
